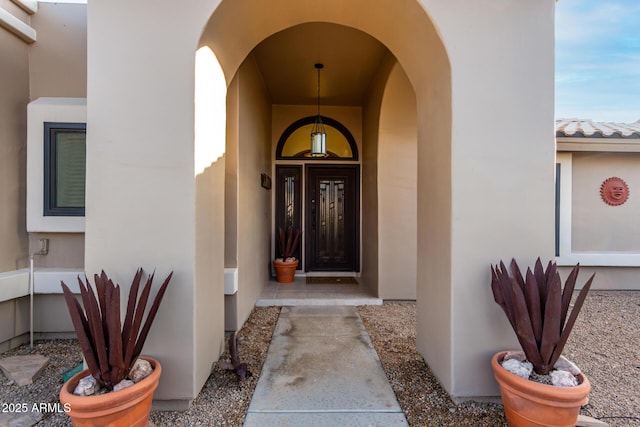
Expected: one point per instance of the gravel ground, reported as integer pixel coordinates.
(392, 328)
(224, 400)
(63, 356)
(604, 344)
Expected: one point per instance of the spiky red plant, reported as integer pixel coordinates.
(537, 308)
(288, 243)
(236, 365)
(109, 350)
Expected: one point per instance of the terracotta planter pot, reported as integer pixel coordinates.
(528, 403)
(285, 271)
(128, 407)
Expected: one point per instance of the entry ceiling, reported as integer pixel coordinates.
(350, 57)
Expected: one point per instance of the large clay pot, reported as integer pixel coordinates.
(285, 270)
(128, 407)
(528, 403)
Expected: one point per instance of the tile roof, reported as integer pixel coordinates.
(577, 128)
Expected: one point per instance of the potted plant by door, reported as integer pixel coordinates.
(285, 267)
(537, 307)
(118, 386)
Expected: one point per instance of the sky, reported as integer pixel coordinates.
(598, 60)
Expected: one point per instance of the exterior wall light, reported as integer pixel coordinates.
(318, 135)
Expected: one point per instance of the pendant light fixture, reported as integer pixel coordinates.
(318, 135)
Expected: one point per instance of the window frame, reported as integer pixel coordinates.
(51, 130)
(327, 121)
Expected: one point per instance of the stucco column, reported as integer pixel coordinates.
(141, 199)
(502, 170)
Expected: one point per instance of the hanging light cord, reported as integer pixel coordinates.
(319, 93)
(319, 66)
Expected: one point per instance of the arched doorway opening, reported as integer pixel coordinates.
(236, 29)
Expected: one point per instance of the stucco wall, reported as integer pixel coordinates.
(397, 189)
(254, 202)
(209, 164)
(66, 250)
(600, 237)
(58, 60)
(597, 226)
(51, 316)
(606, 278)
(141, 181)
(370, 204)
(14, 90)
(16, 11)
(231, 177)
(14, 323)
(209, 290)
(492, 173)
(50, 320)
(231, 201)
(58, 68)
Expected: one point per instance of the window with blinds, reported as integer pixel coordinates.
(64, 168)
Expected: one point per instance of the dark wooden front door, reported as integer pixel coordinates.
(332, 218)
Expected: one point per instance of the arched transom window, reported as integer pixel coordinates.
(294, 142)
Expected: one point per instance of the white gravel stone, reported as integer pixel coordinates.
(87, 386)
(516, 367)
(565, 364)
(123, 384)
(563, 379)
(141, 370)
(517, 355)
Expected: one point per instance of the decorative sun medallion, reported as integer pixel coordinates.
(614, 191)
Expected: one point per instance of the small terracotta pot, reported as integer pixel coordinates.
(528, 403)
(128, 407)
(285, 271)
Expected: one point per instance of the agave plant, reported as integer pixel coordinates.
(236, 365)
(288, 243)
(109, 350)
(537, 308)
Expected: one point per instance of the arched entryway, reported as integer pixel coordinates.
(483, 84)
(408, 41)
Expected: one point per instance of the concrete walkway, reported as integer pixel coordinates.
(321, 370)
